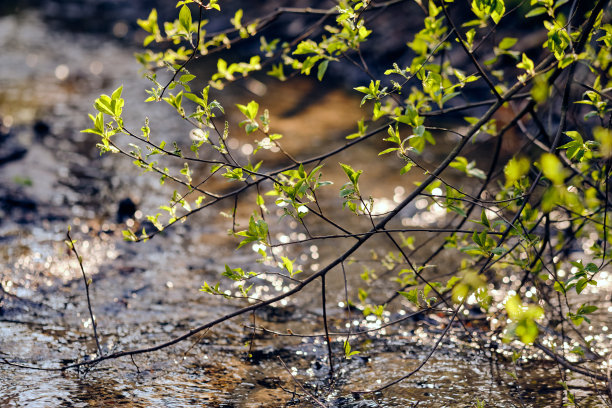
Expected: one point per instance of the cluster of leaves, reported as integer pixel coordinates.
(538, 199)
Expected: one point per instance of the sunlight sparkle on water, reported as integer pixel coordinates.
(233, 143)
(258, 247)
(61, 72)
(246, 149)
(382, 205)
(96, 67)
(398, 194)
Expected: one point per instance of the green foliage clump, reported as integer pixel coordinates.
(506, 143)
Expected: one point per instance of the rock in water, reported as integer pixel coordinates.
(126, 210)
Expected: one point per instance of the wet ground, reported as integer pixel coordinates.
(51, 176)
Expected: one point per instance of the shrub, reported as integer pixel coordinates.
(497, 120)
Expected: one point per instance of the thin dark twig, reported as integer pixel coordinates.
(194, 50)
(569, 365)
(469, 53)
(350, 333)
(27, 367)
(346, 297)
(299, 384)
(135, 365)
(252, 336)
(422, 362)
(327, 339)
(194, 342)
(606, 172)
(72, 246)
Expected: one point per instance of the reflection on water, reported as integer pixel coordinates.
(145, 294)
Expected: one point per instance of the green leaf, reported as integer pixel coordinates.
(507, 43)
(128, 235)
(552, 168)
(406, 168)
(587, 309)
(484, 220)
(489, 8)
(186, 78)
(322, 68)
(117, 93)
(389, 150)
(185, 18)
(458, 210)
(352, 174)
(412, 296)
(515, 169)
(347, 350)
(452, 281)
(536, 12)
(250, 110)
(560, 287)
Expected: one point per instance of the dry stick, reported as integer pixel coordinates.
(252, 337)
(327, 339)
(472, 105)
(422, 363)
(193, 344)
(27, 367)
(348, 306)
(300, 385)
(71, 245)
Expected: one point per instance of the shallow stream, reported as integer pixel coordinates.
(147, 293)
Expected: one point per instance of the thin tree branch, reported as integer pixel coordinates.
(72, 246)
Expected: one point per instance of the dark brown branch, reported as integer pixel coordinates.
(569, 365)
(327, 339)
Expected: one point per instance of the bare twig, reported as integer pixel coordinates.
(312, 397)
(71, 244)
(327, 338)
